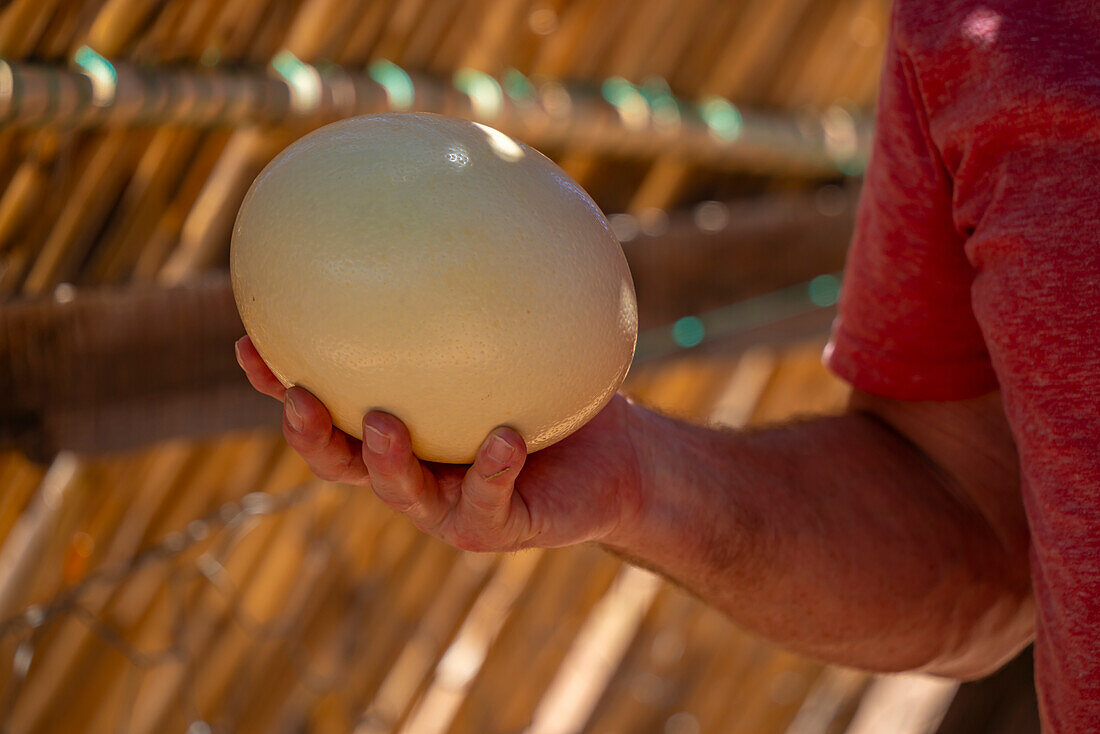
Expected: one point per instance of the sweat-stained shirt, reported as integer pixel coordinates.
(976, 266)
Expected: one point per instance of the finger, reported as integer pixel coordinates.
(488, 490)
(396, 475)
(331, 454)
(259, 374)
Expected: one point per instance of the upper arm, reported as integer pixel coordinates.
(969, 444)
(905, 325)
(910, 337)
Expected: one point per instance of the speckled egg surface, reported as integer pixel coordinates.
(438, 270)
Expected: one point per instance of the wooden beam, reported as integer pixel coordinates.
(106, 370)
(743, 249)
(614, 119)
(110, 369)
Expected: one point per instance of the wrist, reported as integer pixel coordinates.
(648, 442)
(691, 521)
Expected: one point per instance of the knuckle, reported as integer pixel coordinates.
(301, 443)
(484, 504)
(477, 537)
(472, 543)
(400, 501)
(329, 473)
(314, 453)
(261, 385)
(346, 470)
(326, 474)
(404, 505)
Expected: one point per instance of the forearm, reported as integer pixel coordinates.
(834, 537)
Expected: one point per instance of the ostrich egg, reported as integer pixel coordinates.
(438, 270)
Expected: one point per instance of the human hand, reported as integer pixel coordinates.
(583, 488)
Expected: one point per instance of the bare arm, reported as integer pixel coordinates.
(890, 538)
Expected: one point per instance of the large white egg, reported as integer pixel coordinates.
(439, 270)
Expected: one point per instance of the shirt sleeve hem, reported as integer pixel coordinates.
(890, 376)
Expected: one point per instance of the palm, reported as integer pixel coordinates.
(571, 492)
(577, 490)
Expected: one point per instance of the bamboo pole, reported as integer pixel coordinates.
(666, 660)
(21, 25)
(401, 550)
(19, 478)
(118, 22)
(739, 396)
(76, 675)
(25, 544)
(320, 28)
(156, 249)
(475, 638)
(435, 23)
(58, 662)
(84, 212)
(759, 37)
(626, 58)
(831, 702)
(409, 675)
(243, 560)
(801, 383)
(312, 666)
(155, 706)
(534, 640)
(148, 194)
(205, 231)
(597, 652)
(21, 199)
(273, 606)
(364, 34)
(446, 57)
(148, 602)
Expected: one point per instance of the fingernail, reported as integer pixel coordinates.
(237, 351)
(293, 417)
(376, 441)
(500, 450)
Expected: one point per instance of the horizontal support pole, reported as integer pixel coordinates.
(99, 370)
(102, 370)
(615, 118)
(689, 262)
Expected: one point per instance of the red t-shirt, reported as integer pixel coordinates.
(976, 266)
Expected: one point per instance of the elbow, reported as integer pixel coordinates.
(984, 642)
(993, 617)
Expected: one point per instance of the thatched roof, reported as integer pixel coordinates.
(267, 600)
(210, 578)
(156, 201)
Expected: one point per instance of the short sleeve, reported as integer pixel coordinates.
(905, 327)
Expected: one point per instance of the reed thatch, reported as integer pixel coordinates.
(210, 584)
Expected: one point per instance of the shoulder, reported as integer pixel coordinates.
(921, 27)
(926, 30)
